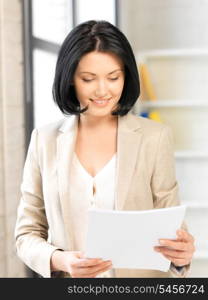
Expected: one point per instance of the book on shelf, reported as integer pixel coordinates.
(147, 88)
(148, 92)
(153, 115)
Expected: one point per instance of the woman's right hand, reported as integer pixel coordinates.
(77, 265)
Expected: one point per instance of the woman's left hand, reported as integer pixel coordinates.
(179, 251)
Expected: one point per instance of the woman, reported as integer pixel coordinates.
(101, 156)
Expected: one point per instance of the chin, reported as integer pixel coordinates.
(99, 113)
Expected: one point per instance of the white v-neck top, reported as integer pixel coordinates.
(82, 197)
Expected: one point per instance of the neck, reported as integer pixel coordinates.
(97, 122)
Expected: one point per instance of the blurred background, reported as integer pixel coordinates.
(170, 42)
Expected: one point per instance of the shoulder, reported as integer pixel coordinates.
(48, 133)
(50, 128)
(54, 128)
(155, 135)
(147, 126)
(152, 127)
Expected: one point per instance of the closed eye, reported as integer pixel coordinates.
(87, 80)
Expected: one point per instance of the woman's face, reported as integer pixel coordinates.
(98, 82)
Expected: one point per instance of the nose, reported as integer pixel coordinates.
(101, 89)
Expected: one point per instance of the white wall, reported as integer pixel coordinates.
(151, 24)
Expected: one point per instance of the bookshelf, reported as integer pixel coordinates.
(178, 80)
(174, 103)
(145, 55)
(190, 154)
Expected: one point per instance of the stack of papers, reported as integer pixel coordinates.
(127, 238)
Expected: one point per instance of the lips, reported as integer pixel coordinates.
(100, 101)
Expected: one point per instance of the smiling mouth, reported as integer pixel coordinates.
(101, 101)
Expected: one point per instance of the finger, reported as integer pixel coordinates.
(174, 244)
(184, 235)
(178, 262)
(94, 274)
(93, 270)
(79, 254)
(172, 253)
(86, 262)
(101, 271)
(187, 238)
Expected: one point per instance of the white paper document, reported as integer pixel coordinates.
(127, 238)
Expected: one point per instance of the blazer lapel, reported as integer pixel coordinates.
(128, 144)
(65, 147)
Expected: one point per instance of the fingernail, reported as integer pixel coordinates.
(162, 242)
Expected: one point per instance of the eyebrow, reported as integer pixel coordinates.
(108, 73)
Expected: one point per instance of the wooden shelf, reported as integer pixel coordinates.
(196, 205)
(143, 55)
(173, 103)
(190, 154)
(201, 255)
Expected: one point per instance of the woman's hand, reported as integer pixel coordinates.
(179, 251)
(77, 265)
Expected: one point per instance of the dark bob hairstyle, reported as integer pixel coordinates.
(94, 36)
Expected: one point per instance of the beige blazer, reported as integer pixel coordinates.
(145, 180)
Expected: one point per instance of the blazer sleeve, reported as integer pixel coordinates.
(164, 185)
(31, 229)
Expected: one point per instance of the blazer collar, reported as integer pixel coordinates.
(125, 123)
(69, 124)
(128, 146)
